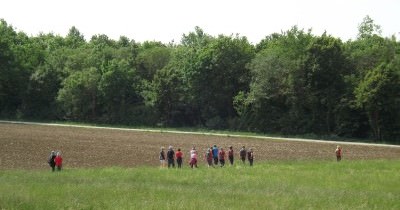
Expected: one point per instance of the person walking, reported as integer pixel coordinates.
(221, 157)
(51, 161)
(242, 154)
(230, 155)
(179, 158)
(162, 157)
(171, 157)
(58, 161)
(193, 157)
(215, 154)
(250, 156)
(209, 157)
(338, 152)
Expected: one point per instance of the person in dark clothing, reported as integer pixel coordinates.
(250, 156)
(230, 155)
(51, 161)
(171, 157)
(242, 154)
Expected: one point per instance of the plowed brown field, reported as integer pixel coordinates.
(24, 146)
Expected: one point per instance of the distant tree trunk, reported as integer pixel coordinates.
(374, 123)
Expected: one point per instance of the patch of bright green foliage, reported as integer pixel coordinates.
(373, 184)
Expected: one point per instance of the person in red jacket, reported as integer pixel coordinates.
(58, 160)
(179, 157)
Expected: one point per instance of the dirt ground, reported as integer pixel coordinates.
(28, 147)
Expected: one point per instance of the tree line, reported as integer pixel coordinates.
(289, 83)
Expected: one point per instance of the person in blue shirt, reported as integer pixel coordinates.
(215, 154)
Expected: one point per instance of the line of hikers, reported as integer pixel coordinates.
(213, 156)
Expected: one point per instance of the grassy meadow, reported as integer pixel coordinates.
(368, 184)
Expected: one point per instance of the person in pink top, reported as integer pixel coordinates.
(193, 158)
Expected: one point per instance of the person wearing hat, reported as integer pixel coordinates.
(215, 154)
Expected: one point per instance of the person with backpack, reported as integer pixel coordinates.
(193, 158)
(230, 155)
(215, 154)
(58, 161)
(51, 161)
(179, 157)
(162, 157)
(250, 156)
(338, 152)
(171, 157)
(209, 157)
(221, 157)
(242, 154)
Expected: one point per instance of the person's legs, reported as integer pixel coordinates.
(251, 162)
(222, 161)
(231, 160)
(179, 161)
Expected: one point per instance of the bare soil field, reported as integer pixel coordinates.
(25, 146)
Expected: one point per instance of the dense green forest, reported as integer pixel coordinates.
(290, 83)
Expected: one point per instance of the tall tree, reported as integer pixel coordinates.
(79, 93)
(325, 66)
(379, 94)
(119, 88)
(13, 76)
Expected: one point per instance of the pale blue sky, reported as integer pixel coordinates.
(166, 20)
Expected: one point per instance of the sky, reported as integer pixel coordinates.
(168, 20)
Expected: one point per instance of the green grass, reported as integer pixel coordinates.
(275, 185)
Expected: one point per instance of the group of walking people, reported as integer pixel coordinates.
(214, 156)
(55, 160)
